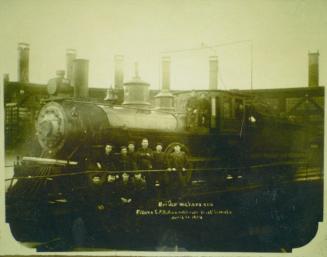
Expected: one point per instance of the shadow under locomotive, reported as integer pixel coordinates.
(252, 183)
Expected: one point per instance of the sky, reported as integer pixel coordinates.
(279, 32)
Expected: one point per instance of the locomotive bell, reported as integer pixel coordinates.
(136, 91)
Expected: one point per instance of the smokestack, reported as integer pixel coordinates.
(119, 73)
(70, 57)
(165, 99)
(23, 62)
(313, 80)
(213, 73)
(165, 73)
(81, 77)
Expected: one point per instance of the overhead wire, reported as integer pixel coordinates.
(212, 47)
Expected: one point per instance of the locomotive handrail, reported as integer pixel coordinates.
(105, 172)
(49, 161)
(153, 171)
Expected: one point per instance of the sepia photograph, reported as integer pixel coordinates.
(176, 126)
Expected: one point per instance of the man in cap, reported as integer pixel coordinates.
(124, 183)
(124, 162)
(178, 164)
(132, 154)
(108, 160)
(144, 155)
(160, 163)
(144, 162)
(137, 179)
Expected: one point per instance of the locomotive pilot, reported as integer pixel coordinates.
(177, 165)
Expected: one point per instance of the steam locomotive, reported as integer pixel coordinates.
(241, 143)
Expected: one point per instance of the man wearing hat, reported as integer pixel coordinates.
(178, 165)
(132, 154)
(137, 179)
(124, 183)
(144, 162)
(160, 163)
(108, 160)
(124, 162)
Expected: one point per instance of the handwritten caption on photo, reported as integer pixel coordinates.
(183, 210)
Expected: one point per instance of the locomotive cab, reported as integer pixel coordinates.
(228, 113)
(216, 112)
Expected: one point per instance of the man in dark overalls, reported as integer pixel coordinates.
(124, 190)
(124, 162)
(132, 155)
(107, 160)
(144, 162)
(177, 166)
(160, 163)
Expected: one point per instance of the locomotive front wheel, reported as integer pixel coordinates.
(185, 176)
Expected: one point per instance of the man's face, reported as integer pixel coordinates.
(177, 148)
(145, 143)
(108, 149)
(123, 151)
(131, 147)
(125, 177)
(159, 148)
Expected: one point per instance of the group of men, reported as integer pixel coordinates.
(198, 111)
(145, 167)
